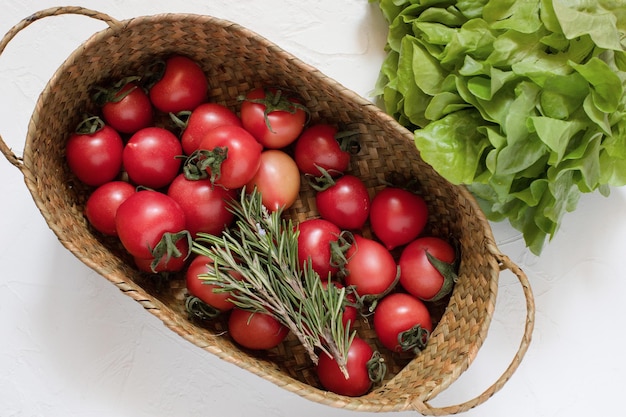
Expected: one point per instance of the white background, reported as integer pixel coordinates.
(71, 344)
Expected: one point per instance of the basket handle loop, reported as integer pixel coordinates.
(505, 263)
(53, 11)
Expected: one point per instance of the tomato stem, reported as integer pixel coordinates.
(322, 182)
(167, 248)
(89, 125)
(339, 248)
(348, 141)
(376, 368)
(181, 119)
(197, 165)
(155, 72)
(448, 271)
(414, 339)
(115, 92)
(199, 309)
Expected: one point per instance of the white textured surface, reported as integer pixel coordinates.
(73, 345)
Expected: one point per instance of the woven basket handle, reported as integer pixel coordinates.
(54, 11)
(505, 263)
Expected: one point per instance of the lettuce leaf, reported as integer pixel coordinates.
(521, 100)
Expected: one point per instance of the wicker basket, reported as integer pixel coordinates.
(235, 60)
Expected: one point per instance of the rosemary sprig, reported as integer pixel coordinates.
(263, 248)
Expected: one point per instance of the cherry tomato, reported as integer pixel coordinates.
(397, 216)
(314, 242)
(151, 157)
(243, 155)
(95, 158)
(257, 331)
(183, 86)
(103, 203)
(345, 203)
(128, 109)
(277, 179)
(203, 290)
(417, 273)
(143, 218)
(318, 146)
(397, 313)
(371, 268)
(359, 381)
(205, 117)
(273, 117)
(206, 206)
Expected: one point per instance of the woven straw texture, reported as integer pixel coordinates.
(236, 60)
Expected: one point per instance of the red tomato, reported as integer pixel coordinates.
(143, 218)
(243, 156)
(206, 206)
(128, 109)
(345, 203)
(317, 147)
(183, 86)
(314, 243)
(95, 158)
(205, 117)
(151, 157)
(359, 381)
(418, 275)
(371, 268)
(203, 290)
(273, 117)
(103, 203)
(255, 330)
(277, 179)
(173, 262)
(397, 216)
(398, 313)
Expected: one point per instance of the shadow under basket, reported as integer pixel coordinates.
(236, 60)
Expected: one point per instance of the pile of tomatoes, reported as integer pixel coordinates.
(155, 188)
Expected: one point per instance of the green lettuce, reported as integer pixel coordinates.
(522, 101)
